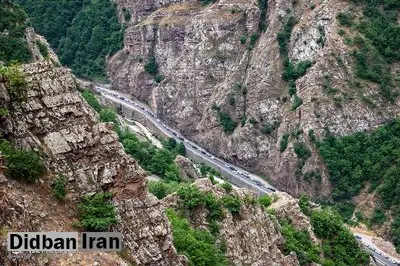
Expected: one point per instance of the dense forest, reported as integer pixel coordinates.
(366, 159)
(374, 40)
(83, 33)
(13, 22)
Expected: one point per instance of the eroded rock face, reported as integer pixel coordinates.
(200, 54)
(251, 236)
(56, 121)
(186, 168)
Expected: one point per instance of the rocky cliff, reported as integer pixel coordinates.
(224, 59)
(56, 121)
(251, 236)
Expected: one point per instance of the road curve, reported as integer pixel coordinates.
(237, 175)
(254, 182)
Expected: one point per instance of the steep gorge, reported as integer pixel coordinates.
(219, 80)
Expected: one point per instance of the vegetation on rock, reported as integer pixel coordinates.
(96, 212)
(199, 246)
(13, 22)
(363, 157)
(83, 33)
(21, 164)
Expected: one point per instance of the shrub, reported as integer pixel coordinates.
(243, 121)
(284, 142)
(345, 19)
(108, 115)
(227, 123)
(190, 198)
(243, 39)
(311, 136)
(227, 186)
(151, 66)
(269, 127)
(96, 213)
(265, 201)
(59, 189)
(199, 246)
(127, 14)
(232, 203)
(42, 49)
(378, 217)
(283, 36)
(24, 165)
(91, 100)
(253, 39)
(160, 189)
(292, 88)
(297, 101)
(3, 112)
(300, 243)
(158, 78)
(304, 205)
(15, 82)
(301, 150)
(252, 121)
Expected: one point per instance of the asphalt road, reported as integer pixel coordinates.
(256, 183)
(379, 256)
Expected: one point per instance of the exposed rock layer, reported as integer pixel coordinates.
(57, 121)
(201, 55)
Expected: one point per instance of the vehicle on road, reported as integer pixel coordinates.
(173, 133)
(232, 168)
(258, 183)
(182, 139)
(158, 120)
(272, 189)
(194, 147)
(212, 157)
(227, 165)
(358, 237)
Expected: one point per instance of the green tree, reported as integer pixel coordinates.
(96, 213)
(265, 201)
(91, 100)
(13, 46)
(24, 165)
(304, 205)
(108, 115)
(59, 189)
(199, 246)
(232, 203)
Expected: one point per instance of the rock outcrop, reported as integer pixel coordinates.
(186, 168)
(57, 121)
(209, 54)
(251, 236)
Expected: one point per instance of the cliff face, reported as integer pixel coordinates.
(251, 236)
(207, 56)
(56, 121)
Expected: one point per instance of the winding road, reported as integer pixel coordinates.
(235, 174)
